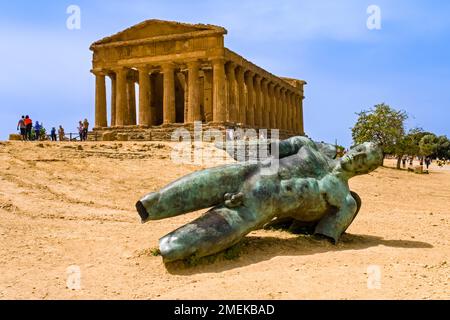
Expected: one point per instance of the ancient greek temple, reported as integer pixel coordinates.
(167, 73)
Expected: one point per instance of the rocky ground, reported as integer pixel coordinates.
(67, 204)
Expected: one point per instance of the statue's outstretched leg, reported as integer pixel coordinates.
(334, 224)
(217, 230)
(199, 190)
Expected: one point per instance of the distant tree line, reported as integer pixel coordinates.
(386, 126)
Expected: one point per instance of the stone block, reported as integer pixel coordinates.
(418, 169)
(15, 137)
(122, 137)
(109, 136)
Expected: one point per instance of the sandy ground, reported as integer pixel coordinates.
(62, 206)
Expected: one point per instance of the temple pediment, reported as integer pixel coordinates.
(159, 29)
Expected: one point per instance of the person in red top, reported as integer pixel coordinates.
(28, 126)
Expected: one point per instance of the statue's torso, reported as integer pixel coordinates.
(301, 188)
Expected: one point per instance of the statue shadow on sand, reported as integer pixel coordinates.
(254, 249)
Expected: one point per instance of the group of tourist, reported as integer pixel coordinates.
(37, 132)
(427, 161)
(25, 124)
(83, 129)
(29, 132)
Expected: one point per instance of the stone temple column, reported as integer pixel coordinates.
(121, 98)
(280, 108)
(219, 103)
(294, 112)
(232, 111)
(299, 115)
(277, 107)
(242, 102)
(291, 111)
(283, 109)
(288, 110)
(249, 81)
(265, 102)
(100, 100)
(300, 110)
(273, 120)
(286, 103)
(184, 78)
(112, 76)
(145, 116)
(131, 90)
(258, 102)
(208, 95)
(169, 115)
(194, 113)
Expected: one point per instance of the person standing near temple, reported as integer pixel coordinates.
(28, 126)
(85, 129)
(37, 131)
(81, 130)
(427, 162)
(61, 133)
(53, 134)
(23, 128)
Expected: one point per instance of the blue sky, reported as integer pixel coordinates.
(45, 68)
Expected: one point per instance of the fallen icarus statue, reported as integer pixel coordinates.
(308, 186)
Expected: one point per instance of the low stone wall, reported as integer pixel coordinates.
(165, 132)
(15, 137)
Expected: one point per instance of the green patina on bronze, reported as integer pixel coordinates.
(310, 187)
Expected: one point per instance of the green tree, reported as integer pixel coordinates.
(381, 124)
(428, 145)
(406, 146)
(443, 148)
(416, 135)
(409, 144)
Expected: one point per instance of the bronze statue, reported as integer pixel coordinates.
(309, 186)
